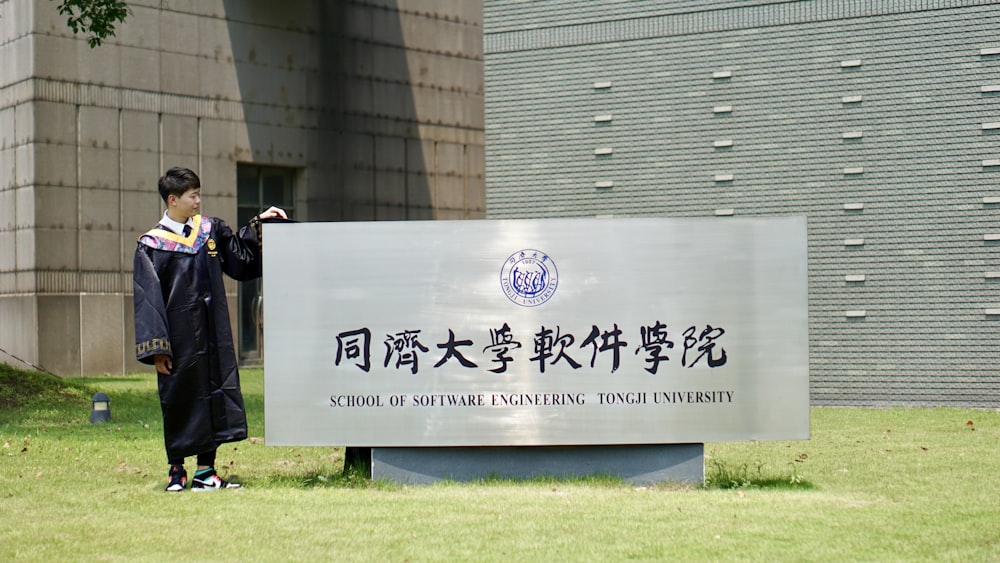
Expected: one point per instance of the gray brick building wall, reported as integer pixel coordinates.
(879, 121)
(374, 109)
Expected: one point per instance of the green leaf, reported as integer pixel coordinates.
(94, 17)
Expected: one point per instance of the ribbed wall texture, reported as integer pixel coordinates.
(879, 121)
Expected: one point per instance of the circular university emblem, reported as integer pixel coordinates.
(529, 278)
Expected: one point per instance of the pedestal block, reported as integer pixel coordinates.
(639, 464)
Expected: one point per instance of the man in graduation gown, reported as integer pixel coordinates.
(182, 325)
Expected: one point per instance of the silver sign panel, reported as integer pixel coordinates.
(536, 332)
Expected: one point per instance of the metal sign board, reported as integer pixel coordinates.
(536, 332)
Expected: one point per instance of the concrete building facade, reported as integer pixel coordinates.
(878, 121)
(339, 111)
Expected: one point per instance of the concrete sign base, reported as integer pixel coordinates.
(638, 464)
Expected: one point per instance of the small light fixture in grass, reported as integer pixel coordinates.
(100, 408)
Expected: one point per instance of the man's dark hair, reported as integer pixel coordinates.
(176, 181)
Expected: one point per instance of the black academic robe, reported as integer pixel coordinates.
(181, 311)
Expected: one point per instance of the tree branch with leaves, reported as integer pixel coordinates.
(94, 17)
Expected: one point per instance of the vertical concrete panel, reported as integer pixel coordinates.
(421, 214)
(56, 207)
(389, 62)
(475, 179)
(449, 214)
(142, 32)
(7, 154)
(180, 135)
(419, 164)
(7, 29)
(7, 221)
(142, 210)
(140, 131)
(179, 73)
(213, 40)
(320, 200)
(18, 333)
(178, 32)
(98, 127)
(218, 178)
(140, 67)
(359, 189)
(217, 9)
(99, 250)
(360, 96)
(7, 139)
(218, 139)
(473, 110)
(420, 156)
(54, 249)
(140, 171)
(390, 213)
(268, 85)
(449, 184)
(98, 66)
(171, 159)
(99, 209)
(65, 57)
(24, 123)
(55, 165)
(50, 123)
(99, 167)
(288, 145)
(390, 166)
(58, 58)
(24, 250)
(449, 192)
(353, 211)
(223, 207)
(128, 244)
(359, 180)
(428, 106)
(128, 342)
(450, 159)
(390, 189)
(272, 144)
(24, 165)
(101, 334)
(59, 334)
(24, 207)
(422, 67)
(141, 204)
(7, 164)
(242, 147)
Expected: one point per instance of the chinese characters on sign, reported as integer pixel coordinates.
(403, 350)
(536, 332)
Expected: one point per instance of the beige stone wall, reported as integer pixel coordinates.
(378, 105)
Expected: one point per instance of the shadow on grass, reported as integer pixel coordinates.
(358, 478)
(351, 478)
(595, 480)
(35, 395)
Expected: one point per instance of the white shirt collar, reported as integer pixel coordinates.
(174, 225)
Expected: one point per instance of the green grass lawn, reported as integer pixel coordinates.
(871, 484)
